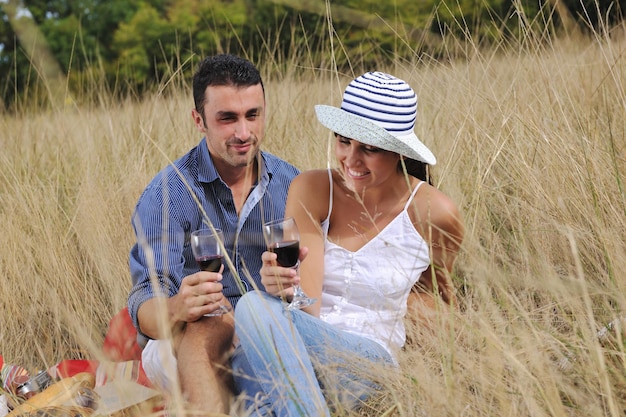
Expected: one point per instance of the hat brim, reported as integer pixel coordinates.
(356, 127)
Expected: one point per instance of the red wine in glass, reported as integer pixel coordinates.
(283, 239)
(210, 263)
(287, 252)
(207, 248)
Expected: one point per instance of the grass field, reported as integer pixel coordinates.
(531, 144)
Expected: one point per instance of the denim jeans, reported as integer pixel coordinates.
(288, 360)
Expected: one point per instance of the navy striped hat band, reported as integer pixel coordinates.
(379, 110)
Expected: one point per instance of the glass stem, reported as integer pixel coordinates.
(297, 291)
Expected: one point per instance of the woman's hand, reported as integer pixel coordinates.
(277, 280)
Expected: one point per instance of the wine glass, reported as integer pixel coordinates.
(283, 239)
(206, 245)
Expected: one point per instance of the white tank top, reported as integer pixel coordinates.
(365, 292)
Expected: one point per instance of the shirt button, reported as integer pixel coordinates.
(335, 307)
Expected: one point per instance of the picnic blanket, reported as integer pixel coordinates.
(122, 362)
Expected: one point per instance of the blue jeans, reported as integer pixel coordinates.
(283, 355)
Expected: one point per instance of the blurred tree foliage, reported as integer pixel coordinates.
(127, 46)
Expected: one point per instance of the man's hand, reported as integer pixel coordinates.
(199, 294)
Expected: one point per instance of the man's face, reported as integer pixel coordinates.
(233, 123)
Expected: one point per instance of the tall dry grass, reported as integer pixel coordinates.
(531, 143)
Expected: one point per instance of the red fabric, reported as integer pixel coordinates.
(142, 378)
(120, 345)
(120, 342)
(70, 367)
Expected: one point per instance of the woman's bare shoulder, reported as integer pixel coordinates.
(439, 208)
(310, 191)
(310, 177)
(310, 183)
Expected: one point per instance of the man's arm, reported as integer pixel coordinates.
(157, 318)
(157, 266)
(199, 294)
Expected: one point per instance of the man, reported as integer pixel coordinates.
(225, 181)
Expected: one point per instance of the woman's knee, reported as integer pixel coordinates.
(257, 308)
(246, 305)
(252, 303)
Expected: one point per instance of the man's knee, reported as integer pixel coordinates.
(211, 334)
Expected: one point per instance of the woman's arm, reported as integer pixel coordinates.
(438, 220)
(308, 204)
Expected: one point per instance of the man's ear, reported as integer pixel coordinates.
(198, 120)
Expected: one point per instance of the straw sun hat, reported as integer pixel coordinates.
(379, 110)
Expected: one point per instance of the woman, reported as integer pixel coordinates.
(377, 240)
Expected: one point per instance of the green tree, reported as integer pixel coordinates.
(129, 46)
(596, 14)
(140, 43)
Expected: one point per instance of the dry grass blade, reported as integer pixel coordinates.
(532, 144)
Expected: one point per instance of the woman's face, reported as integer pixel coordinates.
(365, 166)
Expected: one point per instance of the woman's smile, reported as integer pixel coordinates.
(356, 174)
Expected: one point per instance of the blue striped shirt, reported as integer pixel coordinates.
(167, 212)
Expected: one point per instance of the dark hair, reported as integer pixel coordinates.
(223, 69)
(417, 169)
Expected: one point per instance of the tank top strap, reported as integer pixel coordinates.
(330, 197)
(417, 187)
